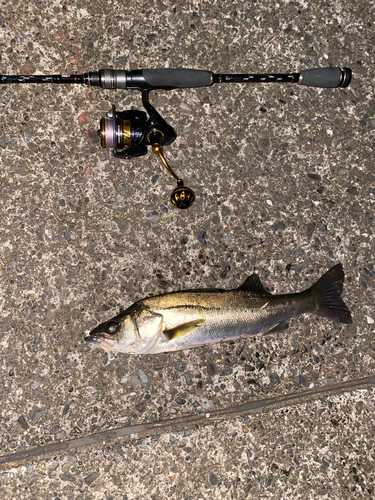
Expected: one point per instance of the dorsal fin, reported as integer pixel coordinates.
(253, 284)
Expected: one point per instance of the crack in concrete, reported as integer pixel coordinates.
(141, 430)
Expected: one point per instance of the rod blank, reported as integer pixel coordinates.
(168, 79)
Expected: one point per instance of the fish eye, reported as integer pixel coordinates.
(112, 327)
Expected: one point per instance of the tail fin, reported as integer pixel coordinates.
(328, 290)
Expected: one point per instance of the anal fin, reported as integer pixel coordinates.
(280, 327)
(183, 329)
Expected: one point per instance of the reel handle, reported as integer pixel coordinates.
(182, 196)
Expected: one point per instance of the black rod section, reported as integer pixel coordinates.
(4, 79)
(255, 78)
(169, 78)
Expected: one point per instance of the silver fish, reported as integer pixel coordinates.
(194, 318)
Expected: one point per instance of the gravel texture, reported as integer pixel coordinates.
(284, 183)
(266, 456)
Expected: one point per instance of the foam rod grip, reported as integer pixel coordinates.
(178, 78)
(326, 77)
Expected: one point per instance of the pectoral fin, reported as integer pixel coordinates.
(183, 329)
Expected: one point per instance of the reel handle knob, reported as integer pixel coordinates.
(182, 197)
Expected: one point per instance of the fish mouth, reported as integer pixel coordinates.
(93, 340)
(99, 341)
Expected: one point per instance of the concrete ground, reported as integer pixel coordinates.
(284, 183)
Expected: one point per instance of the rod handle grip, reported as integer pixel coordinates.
(326, 77)
(177, 78)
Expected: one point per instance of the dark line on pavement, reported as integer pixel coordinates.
(188, 420)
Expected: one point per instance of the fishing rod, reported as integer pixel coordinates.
(129, 132)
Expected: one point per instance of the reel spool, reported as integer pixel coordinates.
(124, 131)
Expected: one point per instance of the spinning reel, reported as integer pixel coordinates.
(130, 132)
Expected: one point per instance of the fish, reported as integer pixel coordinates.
(193, 318)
